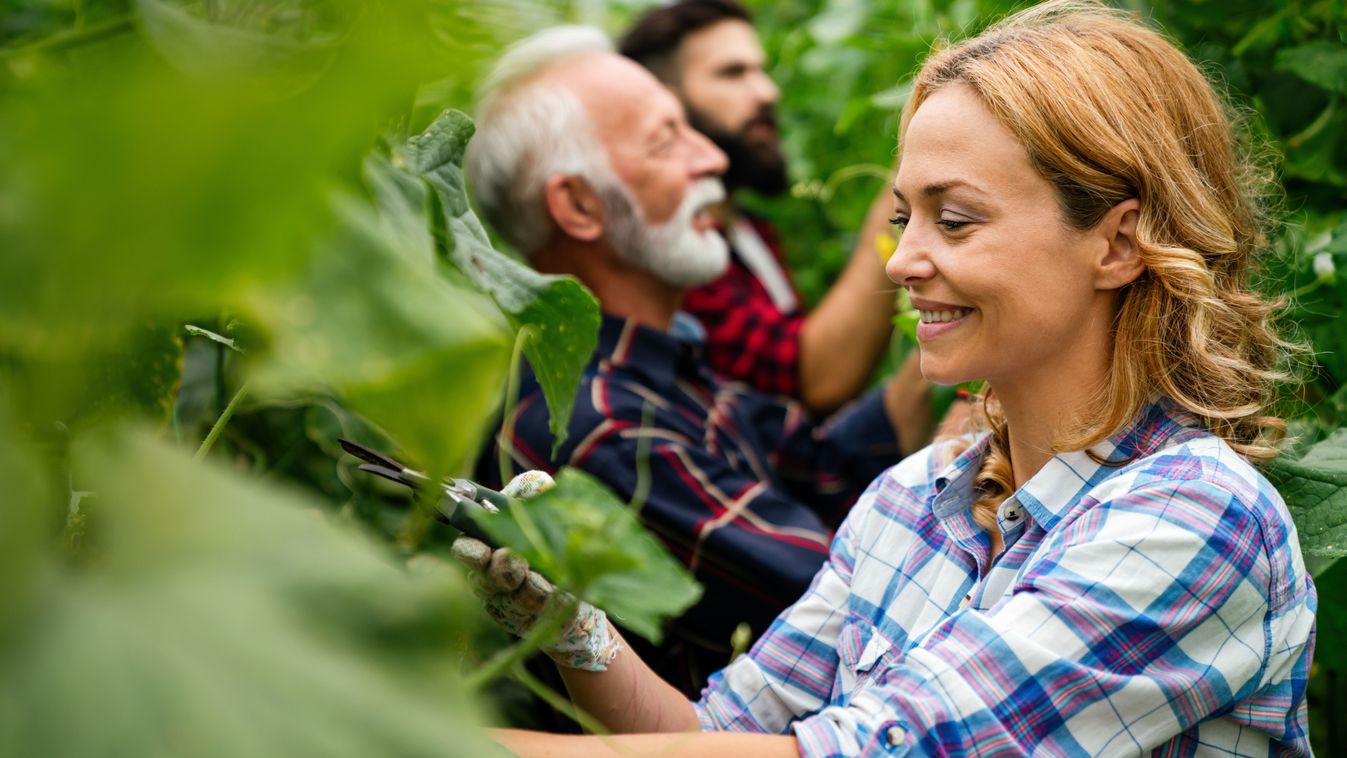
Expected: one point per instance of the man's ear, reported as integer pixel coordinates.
(1121, 263)
(574, 206)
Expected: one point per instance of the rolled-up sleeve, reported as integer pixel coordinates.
(791, 670)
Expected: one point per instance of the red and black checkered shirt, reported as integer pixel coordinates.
(748, 338)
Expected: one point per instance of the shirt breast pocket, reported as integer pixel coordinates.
(860, 647)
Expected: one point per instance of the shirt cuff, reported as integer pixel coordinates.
(822, 737)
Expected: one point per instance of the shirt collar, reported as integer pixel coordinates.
(660, 357)
(1067, 476)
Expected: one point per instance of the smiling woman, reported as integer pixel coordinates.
(1103, 570)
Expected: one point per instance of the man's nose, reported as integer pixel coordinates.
(764, 89)
(707, 159)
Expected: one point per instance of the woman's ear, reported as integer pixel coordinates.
(1121, 263)
(574, 207)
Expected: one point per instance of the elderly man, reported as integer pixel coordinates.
(706, 52)
(589, 167)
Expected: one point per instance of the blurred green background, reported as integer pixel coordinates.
(236, 230)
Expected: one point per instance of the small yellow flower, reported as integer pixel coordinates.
(885, 244)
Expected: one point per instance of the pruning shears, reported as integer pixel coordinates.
(461, 498)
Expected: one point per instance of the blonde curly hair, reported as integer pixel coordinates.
(1109, 109)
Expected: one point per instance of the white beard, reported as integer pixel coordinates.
(674, 251)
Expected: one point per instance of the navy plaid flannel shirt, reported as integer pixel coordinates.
(744, 488)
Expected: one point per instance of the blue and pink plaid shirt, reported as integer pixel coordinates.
(1160, 605)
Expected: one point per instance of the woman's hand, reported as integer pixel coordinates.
(517, 597)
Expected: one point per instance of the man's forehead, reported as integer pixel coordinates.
(722, 43)
(619, 95)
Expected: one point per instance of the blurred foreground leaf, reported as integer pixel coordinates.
(160, 170)
(560, 314)
(1315, 490)
(394, 340)
(25, 521)
(588, 542)
(210, 616)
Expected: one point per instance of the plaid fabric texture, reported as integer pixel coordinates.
(742, 487)
(748, 338)
(1159, 606)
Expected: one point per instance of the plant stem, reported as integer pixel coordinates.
(544, 629)
(220, 423)
(559, 703)
(511, 397)
(1300, 292)
(642, 491)
(73, 38)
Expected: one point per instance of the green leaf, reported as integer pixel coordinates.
(588, 542)
(562, 315)
(394, 340)
(25, 523)
(214, 616)
(1315, 490)
(1321, 63)
(287, 47)
(404, 207)
(197, 331)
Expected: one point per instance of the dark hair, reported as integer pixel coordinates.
(654, 39)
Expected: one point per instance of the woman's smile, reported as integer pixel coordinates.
(938, 318)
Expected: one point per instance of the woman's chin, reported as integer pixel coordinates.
(943, 375)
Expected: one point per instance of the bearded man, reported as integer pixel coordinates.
(588, 166)
(707, 53)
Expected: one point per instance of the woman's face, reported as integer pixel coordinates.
(1007, 292)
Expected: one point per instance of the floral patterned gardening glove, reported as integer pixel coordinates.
(515, 596)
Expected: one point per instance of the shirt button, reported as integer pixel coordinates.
(895, 736)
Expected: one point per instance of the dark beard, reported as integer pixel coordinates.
(757, 165)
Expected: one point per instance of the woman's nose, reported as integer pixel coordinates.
(909, 263)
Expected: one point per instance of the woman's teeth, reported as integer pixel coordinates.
(935, 317)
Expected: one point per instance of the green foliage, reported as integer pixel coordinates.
(422, 357)
(197, 219)
(1315, 488)
(586, 541)
(213, 616)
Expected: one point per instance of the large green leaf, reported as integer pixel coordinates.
(212, 616)
(1321, 63)
(588, 542)
(398, 343)
(562, 317)
(1315, 489)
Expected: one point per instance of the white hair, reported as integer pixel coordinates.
(528, 133)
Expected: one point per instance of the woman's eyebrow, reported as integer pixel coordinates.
(934, 190)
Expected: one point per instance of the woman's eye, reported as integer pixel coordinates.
(899, 221)
(952, 225)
